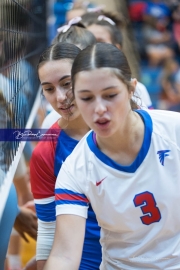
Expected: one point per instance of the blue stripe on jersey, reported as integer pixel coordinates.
(65, 146)
(68, 191)
(141, 155)
(92, 248)
(58, 202)
(46, 212)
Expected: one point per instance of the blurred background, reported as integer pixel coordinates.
(151, 42)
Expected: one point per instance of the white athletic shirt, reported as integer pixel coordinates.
(50, 119)
(142, 93)
(136, 206)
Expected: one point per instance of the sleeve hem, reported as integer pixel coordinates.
(71, 210)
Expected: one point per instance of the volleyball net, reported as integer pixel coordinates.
(22, 39)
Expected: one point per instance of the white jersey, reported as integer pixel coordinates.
(136, 206)
(142, 97)
(50, 119)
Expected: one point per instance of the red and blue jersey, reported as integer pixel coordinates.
(46, 162)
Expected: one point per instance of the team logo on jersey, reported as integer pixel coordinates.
(162, 154)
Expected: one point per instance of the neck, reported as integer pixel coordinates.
(124, 145)
(75, 129)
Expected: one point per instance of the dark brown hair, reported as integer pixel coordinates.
(58, 51)
(103, 55)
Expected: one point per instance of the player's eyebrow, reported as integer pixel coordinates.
(86, 90)
(64, 77)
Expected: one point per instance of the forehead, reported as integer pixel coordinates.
(96, 79)
(55, 68)
(100, 32)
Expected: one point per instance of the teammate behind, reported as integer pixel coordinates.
(74, 33)
(106, 30)
(55, 75)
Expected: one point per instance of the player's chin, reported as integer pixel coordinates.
(71, 116)
(103, 133)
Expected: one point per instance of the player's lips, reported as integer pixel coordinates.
(66, 108)
(102, 122)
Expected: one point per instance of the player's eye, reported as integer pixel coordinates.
(67, 84)
(86, 98)
(111, 96)
(48, 89)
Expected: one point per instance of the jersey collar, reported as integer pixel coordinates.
(142, 153)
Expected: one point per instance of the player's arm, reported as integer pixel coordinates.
(46, 232)
(68, 243)
(40, 264)
(42, 185)
(71, 214)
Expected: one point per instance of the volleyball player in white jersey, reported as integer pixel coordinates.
(106, 30)
(127, 167)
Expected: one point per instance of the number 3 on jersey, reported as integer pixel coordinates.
(148, 206)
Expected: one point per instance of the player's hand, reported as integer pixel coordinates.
(30, 205)
(26, 222)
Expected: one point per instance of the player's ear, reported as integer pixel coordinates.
(133, 86)
(134, 82)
